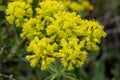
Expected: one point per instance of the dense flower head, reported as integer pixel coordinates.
(55, 33)
(43, 50)
(32, 28)
(18, 12)
(49, 7)
(72, 53)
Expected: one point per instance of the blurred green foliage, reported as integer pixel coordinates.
(2, 7)
(103, 65)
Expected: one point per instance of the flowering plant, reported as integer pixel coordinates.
(55, 30)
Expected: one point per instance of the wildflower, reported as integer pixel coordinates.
(43, 50)
(17, 12)
(56, 33)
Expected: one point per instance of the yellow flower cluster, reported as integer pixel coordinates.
(55, 33)
(78, 5)
(32, 28)
(71, 52)
(44, 52)
(18, 11)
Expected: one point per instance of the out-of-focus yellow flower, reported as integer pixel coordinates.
(77, 6)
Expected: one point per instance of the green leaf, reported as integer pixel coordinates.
(53, 68)
(70, 76)
(2, 7)
(98, 71)
(51, 77)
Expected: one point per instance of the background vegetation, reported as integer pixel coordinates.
(102, 65)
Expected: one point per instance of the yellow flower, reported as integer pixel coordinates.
(56, 31)
(17, 11)
(32, 28)
(77, 6)
(43, 50)
(71, 53)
